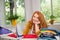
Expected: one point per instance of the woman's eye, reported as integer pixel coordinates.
(34, 16)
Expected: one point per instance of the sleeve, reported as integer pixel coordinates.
(28, 27)
(38, 32)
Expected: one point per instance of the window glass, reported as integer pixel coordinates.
(20, 10)
(56, 9)
(16, 7)
(46, 9)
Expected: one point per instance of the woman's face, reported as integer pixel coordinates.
(35, 19)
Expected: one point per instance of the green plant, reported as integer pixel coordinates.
(52, 17)
(21, 19)
(13, 17)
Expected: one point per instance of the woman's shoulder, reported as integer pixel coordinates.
(29, 22)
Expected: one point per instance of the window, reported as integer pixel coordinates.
(7, 8)
(20, 10)
(51, 7)
(15, 7)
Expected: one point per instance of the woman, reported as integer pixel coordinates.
(35, 24)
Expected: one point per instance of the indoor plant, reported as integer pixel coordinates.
(52, 19)
(13, 19)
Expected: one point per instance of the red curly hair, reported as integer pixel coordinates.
(43, 23)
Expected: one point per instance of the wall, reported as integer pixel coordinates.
(30, 7)
(2, 13)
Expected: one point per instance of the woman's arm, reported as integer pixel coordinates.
(38, 33)
(28, 27)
